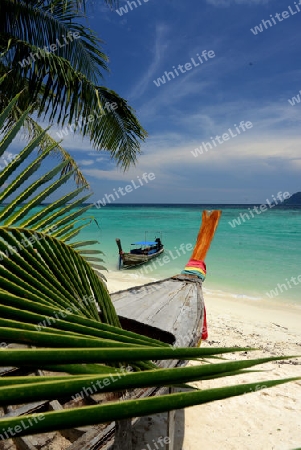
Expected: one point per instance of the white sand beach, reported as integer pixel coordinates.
(269, 419)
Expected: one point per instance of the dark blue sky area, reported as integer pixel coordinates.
(250, 78)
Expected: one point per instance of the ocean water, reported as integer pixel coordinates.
(247, 260)
(258, 259)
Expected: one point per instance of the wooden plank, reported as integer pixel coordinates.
(123, 435)
(97, 437)
(153, 309)
(26, 409)
(54, 405)
(177, 307)
(181, 307)
(137, 298)
(171, 426)
(24, 443)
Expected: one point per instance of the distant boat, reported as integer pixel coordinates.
(142, 252)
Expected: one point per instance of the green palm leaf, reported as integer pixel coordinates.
(60, 218)
(41, 221)
(35, 25)
(24, 390)
(25, 195)
(12, 120)
(117, 410)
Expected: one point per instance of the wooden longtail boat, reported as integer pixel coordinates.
(170, 310)
(143, 252)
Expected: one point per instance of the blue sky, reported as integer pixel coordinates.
(250, 78)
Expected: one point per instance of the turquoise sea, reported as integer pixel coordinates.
(261, 254)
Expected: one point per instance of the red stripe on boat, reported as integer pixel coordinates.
(198, 264)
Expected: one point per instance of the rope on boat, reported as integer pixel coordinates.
(195, 267)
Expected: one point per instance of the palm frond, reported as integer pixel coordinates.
(49, 266)
(13, 114)
(23, 192)
(78, 105)
(33, 27)
(25, 388)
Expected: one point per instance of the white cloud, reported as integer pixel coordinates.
(113, 175)
(86, 162)
(161, 45)
(74, 141)
(172, 164)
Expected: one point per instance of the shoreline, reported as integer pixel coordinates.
(267, 419)
(123, 279)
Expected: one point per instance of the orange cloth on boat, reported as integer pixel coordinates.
(195, 267)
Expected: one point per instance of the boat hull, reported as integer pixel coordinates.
(174, 305)
(132, 259)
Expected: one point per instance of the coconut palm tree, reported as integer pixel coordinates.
(58, 62)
